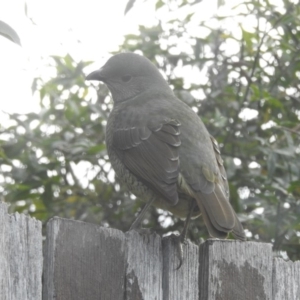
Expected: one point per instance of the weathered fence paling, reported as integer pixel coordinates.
(146, 264)
(85, 261)
(235, 270)
(286, 279)
(21, 257)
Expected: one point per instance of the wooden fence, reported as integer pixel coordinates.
(85, 261)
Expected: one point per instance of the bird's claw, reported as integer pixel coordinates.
(178, 243)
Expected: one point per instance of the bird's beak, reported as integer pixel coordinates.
(96, 75)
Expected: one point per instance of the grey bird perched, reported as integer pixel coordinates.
(159, 147)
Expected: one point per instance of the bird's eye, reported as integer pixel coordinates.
(126, 78)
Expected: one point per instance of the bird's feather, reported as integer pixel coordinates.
(216, 209)
(161, 147)
(152, 155)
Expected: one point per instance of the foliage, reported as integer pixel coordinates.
(40, 153)
(244, 83)
(9, 33)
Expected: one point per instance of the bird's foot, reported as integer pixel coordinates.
(180, 254)
(179, 242)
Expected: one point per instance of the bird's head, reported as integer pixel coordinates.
(128, 75)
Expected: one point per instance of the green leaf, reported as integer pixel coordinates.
(129, 6)
(271, 163)
(159, 4)
(247, 37)
(9, 33)
(188, 17)
(294, 187)
(96, 149)
(290, 151)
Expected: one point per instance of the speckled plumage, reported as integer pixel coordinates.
(160, 148)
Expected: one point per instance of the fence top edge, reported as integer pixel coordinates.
(212, 241)
(127, 234)
(18, 216)
(280, 260)
(59, 221)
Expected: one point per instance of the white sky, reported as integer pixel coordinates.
(99, 26)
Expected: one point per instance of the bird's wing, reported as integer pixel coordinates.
(151, 154)
(237, 230)
(218, 214)
(223, 180)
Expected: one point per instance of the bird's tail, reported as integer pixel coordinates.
(218, 215)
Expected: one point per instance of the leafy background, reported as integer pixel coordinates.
(245, 85)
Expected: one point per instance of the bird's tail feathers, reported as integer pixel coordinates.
(213, 232)
(218, 214)
(238, 230)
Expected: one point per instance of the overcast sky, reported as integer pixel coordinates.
(99, 26)
(88, 30)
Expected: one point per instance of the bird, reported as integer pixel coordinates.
(161, 150)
